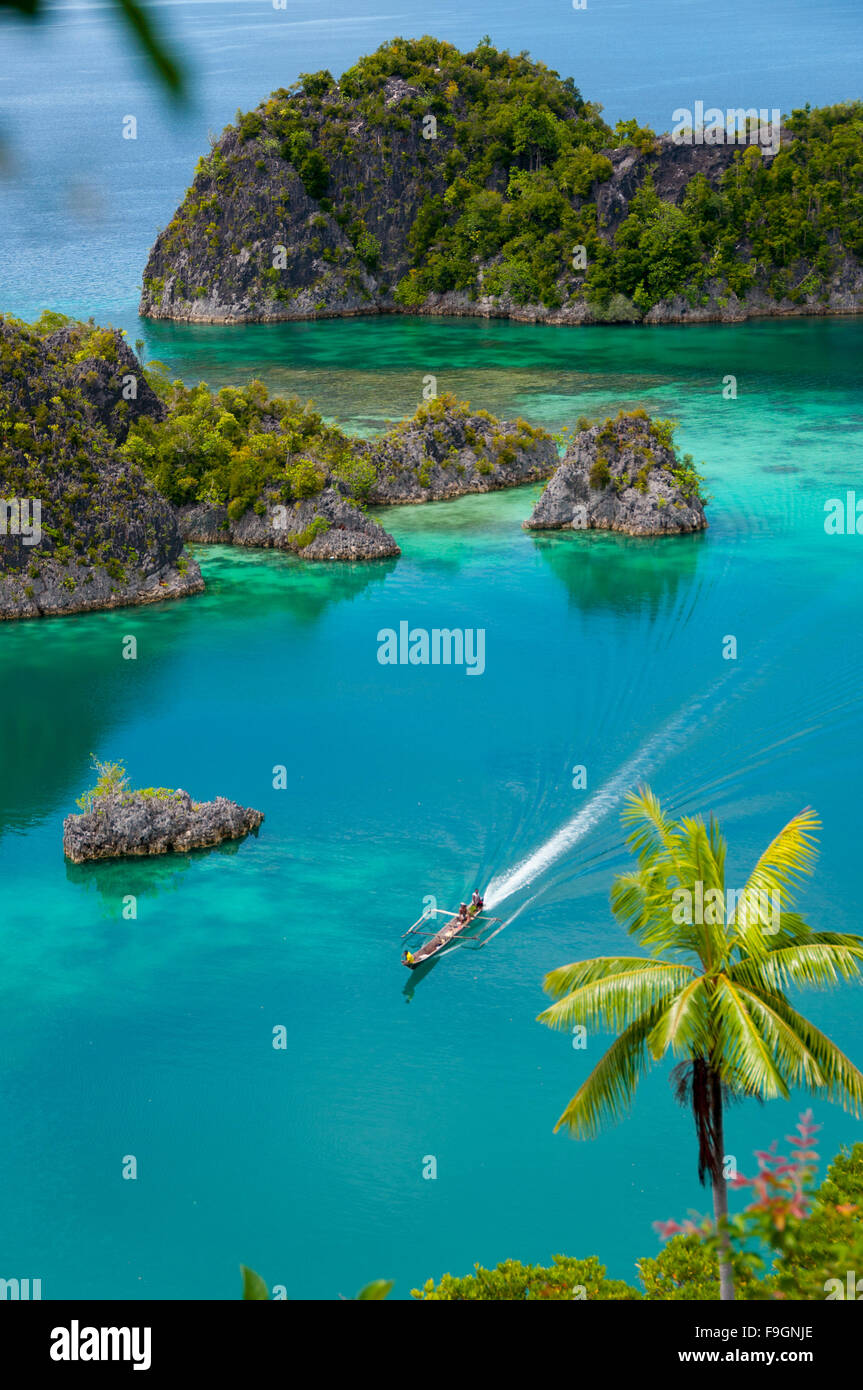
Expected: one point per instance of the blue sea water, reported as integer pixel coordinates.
(152, 1037)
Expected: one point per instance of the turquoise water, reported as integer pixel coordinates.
(153, 1037)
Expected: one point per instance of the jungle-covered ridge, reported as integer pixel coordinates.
(431, 180)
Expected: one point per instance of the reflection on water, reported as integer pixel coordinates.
(627, 574)
(147, 876)
(366, 372)
(64, 685)
(303, 590)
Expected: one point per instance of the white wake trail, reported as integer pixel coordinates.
(503, 886)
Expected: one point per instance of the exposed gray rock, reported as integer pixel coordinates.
(618, 476)
(106, 538)
(446, 450)
(138, 823)
(48, 595)
(214, 263)
(323, 527)
(114, 386)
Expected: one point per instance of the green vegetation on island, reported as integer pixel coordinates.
(69, 393)
(429, 172)
(228, 447)
(112, 781)
(242, 450)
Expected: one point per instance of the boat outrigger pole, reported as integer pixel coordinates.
(451, 933)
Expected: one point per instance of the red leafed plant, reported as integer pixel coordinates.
(781, 1188)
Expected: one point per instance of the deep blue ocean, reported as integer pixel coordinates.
(153, 1037)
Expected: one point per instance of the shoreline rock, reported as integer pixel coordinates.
(47, 597)
(324, 527)
(622, 475)
(445, 450)
(133, 824)
(727, 309)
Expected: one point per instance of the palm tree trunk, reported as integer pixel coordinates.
(720, 1196)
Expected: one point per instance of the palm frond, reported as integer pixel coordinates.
(787, 860)
(685, 1023)
(565, 978)
(794, 929)
(628, 893)
(819, 965)
(698, 863)
(606, 1096)
(618, 999)
(842, 1081)
(792, 1058)
(653, 831)
(718, 846)
(742, 1056)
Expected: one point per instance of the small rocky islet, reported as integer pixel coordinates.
(116, 822)
(623, 475)
(445, 450)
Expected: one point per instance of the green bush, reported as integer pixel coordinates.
(600, 473)
(566, 1279)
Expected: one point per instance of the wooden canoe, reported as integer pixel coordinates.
(448, 933)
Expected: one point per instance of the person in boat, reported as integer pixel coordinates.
(408, 958)
(463, 913)
(476, 902)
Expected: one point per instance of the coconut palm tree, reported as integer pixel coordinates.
(712, 990)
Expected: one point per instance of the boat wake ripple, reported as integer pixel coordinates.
(604, 801)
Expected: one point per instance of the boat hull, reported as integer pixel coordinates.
(448, 933)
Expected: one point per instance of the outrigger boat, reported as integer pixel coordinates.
(452, 931)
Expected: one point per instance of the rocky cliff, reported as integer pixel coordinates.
(80, 528)
(432, 181)
(445, 450)
(622, 475)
